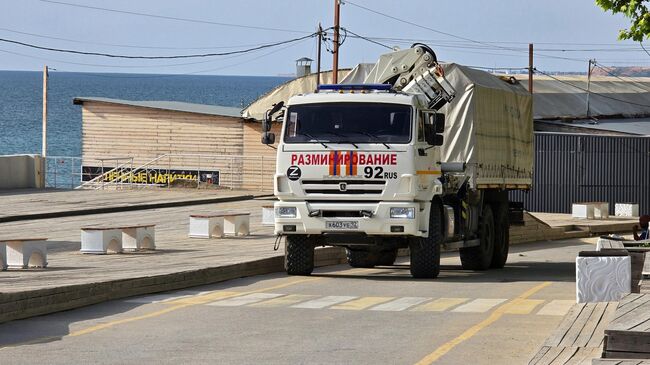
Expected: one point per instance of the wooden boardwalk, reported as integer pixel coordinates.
(628, 334)
(175, 251)
(579, 338)
(36, 204)
(593, 226)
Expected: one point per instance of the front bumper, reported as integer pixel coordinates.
(379, 224)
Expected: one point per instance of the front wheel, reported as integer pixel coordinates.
(425, 251)
(299, 255)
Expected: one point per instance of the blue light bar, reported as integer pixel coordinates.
(382, 87)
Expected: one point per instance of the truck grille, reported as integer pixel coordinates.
(343, 187)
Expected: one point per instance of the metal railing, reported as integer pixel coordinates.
(190, 170)
(62, 172)
(104, 175)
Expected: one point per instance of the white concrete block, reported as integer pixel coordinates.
(582, 210)
(626, 210)
(139, 238)
(101, 241)
(601, 211)
(24, 254)
(237, 225)
(268, 215)
(206, 226)
(3, 256)
(602, 279)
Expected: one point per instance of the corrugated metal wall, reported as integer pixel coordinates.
(581, 168)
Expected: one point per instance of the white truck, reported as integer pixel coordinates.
(419, 156)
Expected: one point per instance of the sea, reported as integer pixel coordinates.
(21, 101)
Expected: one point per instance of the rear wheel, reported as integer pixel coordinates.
(480, 257)
(425, 251)
(387, 258)
(362, 258)
(299, 255)
(501, 236)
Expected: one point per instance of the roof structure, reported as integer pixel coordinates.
(620, 126)
(177, 106)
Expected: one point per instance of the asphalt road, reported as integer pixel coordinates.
(337, 316)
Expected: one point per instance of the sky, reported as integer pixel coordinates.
(491, 34)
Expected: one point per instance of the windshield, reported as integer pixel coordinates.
(348, 123)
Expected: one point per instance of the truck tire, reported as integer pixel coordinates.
(387, 258)
(298, 255)
(480, 257)
(362, 258)
(425, 251)
(501, 236)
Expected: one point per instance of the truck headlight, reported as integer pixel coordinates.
(287, 212)
(402, 213)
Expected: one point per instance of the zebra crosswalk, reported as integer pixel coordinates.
(357, 303)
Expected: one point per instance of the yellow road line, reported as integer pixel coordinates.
(428, 172)
(440, 304)
(470, 332)
(362, 303)
(524, 306)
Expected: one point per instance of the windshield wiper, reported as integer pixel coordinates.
(373, 137)
(315, 139)
(340, 135)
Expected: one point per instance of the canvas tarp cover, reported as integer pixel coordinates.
(301, 85)
(489, 125)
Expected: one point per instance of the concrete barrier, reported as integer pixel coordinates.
(22, 172)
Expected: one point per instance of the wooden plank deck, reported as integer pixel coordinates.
(594, 226)
(628, 334)
(579, 337)
(36, 204)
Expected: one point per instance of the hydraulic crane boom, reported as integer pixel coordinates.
(415, 70)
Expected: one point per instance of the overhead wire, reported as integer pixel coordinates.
(192, 72)
(174, 18)
(367, 39)
(125, 45)
(589, 91)
(454, 35)
(111, 55)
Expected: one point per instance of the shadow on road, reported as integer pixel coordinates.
(53, 327)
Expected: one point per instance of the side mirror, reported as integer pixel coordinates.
(268, 138)
(266, 123)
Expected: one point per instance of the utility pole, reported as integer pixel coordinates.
(45, 75)
(530, 68)
(320, 41)
(589, 83)
(335, 51)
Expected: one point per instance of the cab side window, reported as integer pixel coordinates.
(421, 127)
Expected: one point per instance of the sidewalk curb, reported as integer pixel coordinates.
(126, 208)
(21, 305)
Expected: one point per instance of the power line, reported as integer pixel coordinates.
(123, 45)
(588, 91)
(190, 20)
(268, 45)
(646, 51)
(454, 35)
(193, 72)
(604, 68)
(367, 39)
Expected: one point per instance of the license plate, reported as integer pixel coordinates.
(342, 225)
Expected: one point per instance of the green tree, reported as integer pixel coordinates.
(636, 10)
